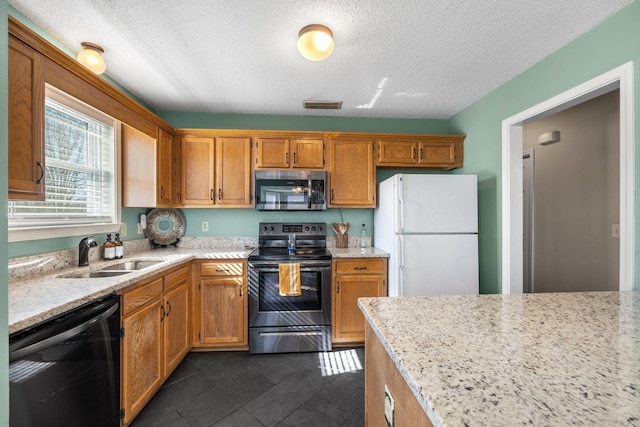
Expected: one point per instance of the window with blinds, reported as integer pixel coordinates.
(79, 168)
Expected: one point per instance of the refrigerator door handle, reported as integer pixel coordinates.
(401, 203)
(401, 267)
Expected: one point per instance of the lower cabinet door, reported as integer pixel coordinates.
(176, 326)
(223, 311)
(142, 364)
(348, 322)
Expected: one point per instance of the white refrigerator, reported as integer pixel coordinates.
(429, 226)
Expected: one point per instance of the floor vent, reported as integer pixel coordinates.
(322, 105)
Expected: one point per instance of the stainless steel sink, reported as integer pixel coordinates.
(130, 266)
(94, 274)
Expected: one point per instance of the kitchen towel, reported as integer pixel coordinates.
(290, 279)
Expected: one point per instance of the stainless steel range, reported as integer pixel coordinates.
(280, 322)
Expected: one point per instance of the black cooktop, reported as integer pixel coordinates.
(278, 254)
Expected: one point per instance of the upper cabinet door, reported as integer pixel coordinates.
(352, 180)
(197, 171)
(233, 177)
(440, 154)
(165, 175)
(26, 123)
(272, 153)
(395, 152)
(307, 153)
(139, 168)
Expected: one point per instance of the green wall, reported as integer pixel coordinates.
(614, 42)
(4, 275)
(180, 119)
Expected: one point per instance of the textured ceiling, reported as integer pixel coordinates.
(392, 58)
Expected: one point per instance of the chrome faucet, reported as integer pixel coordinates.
(83, 250)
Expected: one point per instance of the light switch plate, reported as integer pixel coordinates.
(615, 231)
(389, 407)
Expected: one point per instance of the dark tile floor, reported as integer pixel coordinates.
(238, 389)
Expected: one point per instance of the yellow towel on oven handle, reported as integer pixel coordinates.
(290, 279)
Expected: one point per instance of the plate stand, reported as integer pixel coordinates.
(155, 245)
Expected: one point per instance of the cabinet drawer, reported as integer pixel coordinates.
(360, 266)
(175, 278)
(135, 298)
(221, 269)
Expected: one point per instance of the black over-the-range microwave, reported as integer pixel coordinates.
(284, 190)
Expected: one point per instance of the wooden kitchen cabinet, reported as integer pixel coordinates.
(142, 346)
(155, 336)
(284, 153)
(233, 171)
(352, 177)
(354, 278)
(220, 305)
(146, 168)
(177, 340)
(216, 171)
(431, 151)
(165, 175)
(26, 96)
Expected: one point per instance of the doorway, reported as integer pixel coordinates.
(512, 198)
(570, 238)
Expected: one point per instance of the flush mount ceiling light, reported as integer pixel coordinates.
(315, 42)
(91, 57)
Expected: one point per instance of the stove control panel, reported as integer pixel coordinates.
(303, 229)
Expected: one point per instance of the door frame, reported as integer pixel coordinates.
(512, 223)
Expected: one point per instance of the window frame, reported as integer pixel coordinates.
(19, 234)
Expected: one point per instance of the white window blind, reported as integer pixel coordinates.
(79, 168)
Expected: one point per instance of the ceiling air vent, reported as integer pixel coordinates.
(322, 105)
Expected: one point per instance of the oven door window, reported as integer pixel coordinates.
(271, 300)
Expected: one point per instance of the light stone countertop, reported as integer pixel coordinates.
(506, 360)
(357, 252)
(39, 297)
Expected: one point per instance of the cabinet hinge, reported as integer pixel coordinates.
(121, 412)
(121, 332)
(198, 336)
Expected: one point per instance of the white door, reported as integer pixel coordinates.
(438, 264)
(438, 203)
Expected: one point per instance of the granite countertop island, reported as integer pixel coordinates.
(539, 359)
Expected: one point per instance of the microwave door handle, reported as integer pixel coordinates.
(309, 191)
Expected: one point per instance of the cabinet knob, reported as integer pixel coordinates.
(211, 194)
(359, 268)
(162, 312)
(219, 193)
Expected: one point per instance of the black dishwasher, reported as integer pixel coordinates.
(65, 372)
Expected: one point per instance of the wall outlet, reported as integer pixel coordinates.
(389, 407)
(123, 229)
(205, 225)
(139, 228)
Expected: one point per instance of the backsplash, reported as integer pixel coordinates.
(31, 265)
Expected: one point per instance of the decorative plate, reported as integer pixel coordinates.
(165, 226)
